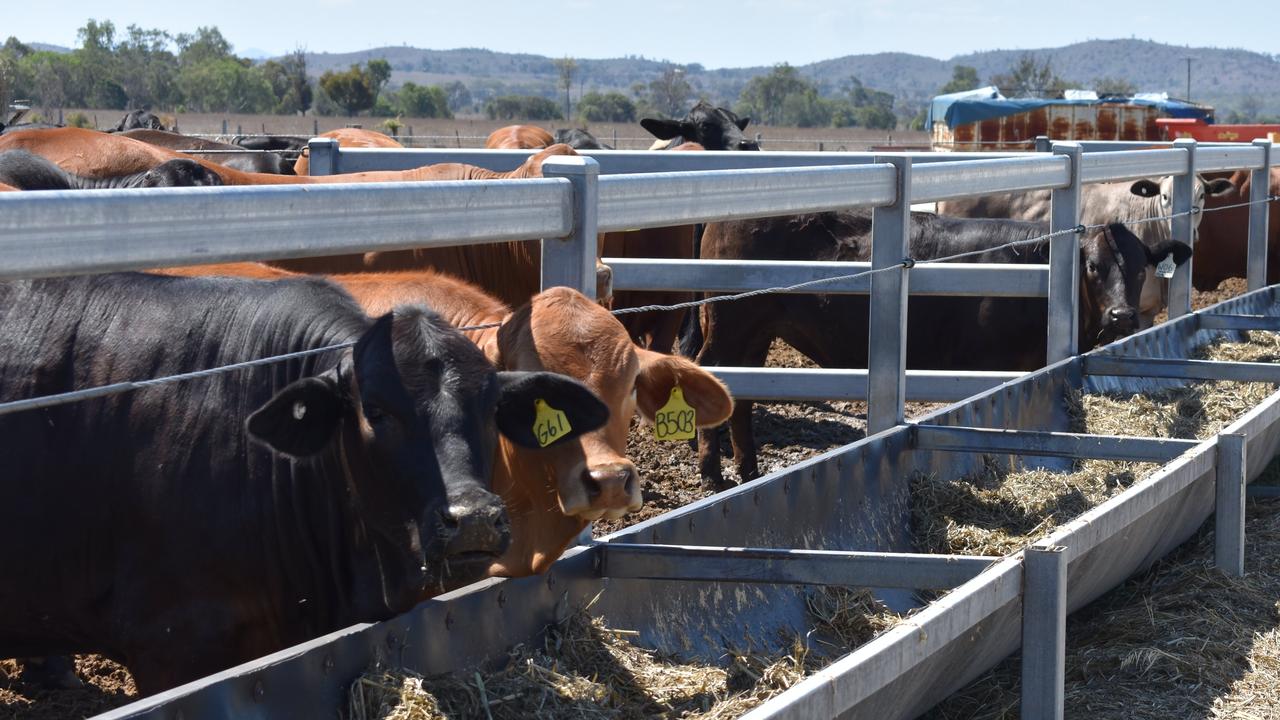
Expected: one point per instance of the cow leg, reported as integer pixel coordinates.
(732, 336)
(744, 441)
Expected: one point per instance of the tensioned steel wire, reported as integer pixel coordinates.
(72, 396)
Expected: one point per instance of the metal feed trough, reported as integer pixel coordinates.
(729, 568)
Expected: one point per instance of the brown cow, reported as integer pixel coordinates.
(518, 137)
(552, 494)
(348, 138)
(1222, 244)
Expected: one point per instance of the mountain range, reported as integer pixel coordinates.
(1220, 77)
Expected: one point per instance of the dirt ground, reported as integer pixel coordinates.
(785, 432)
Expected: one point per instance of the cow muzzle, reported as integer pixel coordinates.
(745, 144)
(474, 527)
(1119, 322)
(605, 491)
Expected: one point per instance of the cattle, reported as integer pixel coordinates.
(188, 527)
(139, 120)
(578, 139)
(348, 137)
(21, 170)
(274, 143)
(714, 128)
(1102, 203)
(958, 333)
(1222, 244)
(223, 153)
(550, 496)
(513, 137)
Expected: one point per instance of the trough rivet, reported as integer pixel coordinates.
(258, 690)
(502, 598)
(724, 509)
(328, 663)
(786, 486)
(690, 524)
(755, 498)
(448, 621)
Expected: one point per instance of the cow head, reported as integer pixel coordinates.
(713, 128)
(552, 495)
(180, 173)
(1114, 265)
(412, 419)
(1203, 189)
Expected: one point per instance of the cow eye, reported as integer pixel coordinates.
(1091, 267)
(373, 413)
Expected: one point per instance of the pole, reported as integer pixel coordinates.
(887, 341)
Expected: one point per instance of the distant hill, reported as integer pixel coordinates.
(1220, 77)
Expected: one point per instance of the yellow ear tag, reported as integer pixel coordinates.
(676, 420)
(549, 424)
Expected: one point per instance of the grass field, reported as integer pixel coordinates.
(471, 132)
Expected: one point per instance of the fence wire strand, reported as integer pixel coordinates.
(46, 401)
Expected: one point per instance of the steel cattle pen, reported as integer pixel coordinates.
(677, 579)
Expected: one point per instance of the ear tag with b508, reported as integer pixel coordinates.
(676, 420)
(549, 424)
(1166, 267)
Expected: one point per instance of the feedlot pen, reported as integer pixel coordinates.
(738, 570)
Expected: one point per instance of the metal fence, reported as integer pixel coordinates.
(73, 232)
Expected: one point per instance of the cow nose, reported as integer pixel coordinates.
(613, 489)
(748, 145)
(475, 523)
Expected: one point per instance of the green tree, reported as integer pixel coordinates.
(521, 107)
(1114, 86)
(963, 78)
(356, 89)
(606, 107)
(459, 95)
(783, 98)
(147, 70)
(227, 85)
(206, 45)
(668, 94)
(567, 67)
(428, 101)
(1031, 78)
(289, 82)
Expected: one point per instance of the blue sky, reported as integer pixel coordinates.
(716, 33)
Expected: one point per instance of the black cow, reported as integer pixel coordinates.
(578, 139)
(270, 142)
(224, 154)
(714, 128)
(138, 119)
(188, 527)
(25, 171)
(960, 333)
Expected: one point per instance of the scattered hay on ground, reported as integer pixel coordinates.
(998, 512)
(585, 669)
(1180, 641)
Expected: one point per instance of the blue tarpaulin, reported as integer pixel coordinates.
(986, 103)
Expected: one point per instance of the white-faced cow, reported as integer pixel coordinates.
(1100, 203)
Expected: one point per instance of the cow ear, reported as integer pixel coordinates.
(1181, 252)
(704, 393)
(1145, 188)
(1219, 187)
(742, 123)
(300, 420)
(517, 409)
(661, 129)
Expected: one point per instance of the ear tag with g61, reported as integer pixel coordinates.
(549, 424)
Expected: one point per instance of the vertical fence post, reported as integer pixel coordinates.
(1044, 631)
(1064, 261)
(224, 126)
(1228, 527)
(1259, 212)
(887, 341)
(1184, 187)
(322, 156)
(571, 261)
(1043, 143)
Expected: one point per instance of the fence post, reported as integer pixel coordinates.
(1064, 261)
(315, 127)
(1259, 212)
(887, 336)
(571, 261)
(1184, 187)
(1044, 631)
(323, 156)
(1043, 143)
(1228, 526)
(224, 126)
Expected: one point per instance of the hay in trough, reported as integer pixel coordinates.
(997, 511)
(586, 669)
(1179, 641)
